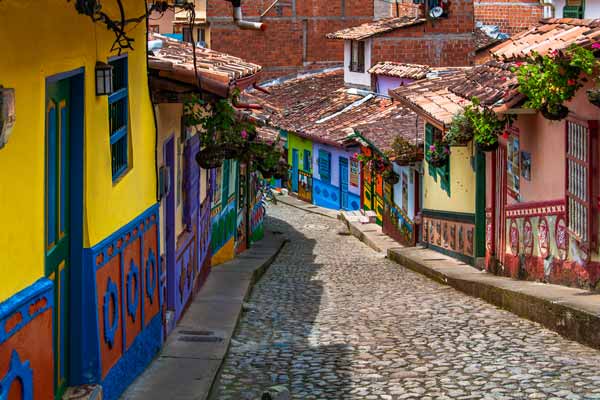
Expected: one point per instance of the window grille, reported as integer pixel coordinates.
(118, 118)
(579, 197)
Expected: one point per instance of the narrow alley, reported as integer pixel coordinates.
(332, 319)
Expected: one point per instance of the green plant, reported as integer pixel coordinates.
(404, 152)
(438, 154)
(372, 162)
(217, 123)
(461, 130)
(550, 80)
(390, 176)
(485, 124)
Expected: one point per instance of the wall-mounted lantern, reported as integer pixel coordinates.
(104, 79)
(8, 114)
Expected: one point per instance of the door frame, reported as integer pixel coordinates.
(76, 296)
(344, 161)
(169, 218)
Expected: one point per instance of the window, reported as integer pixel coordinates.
(307, 162)
(574, 9)
(154, 28)
(432, 135)
(199, 35)
(325, 166)
(357, 56)
(579, 181)
(118, 118)
(513, 164)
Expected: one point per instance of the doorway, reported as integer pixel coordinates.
(343, 183)
(295, 167)
(169, 162)
(63, 203)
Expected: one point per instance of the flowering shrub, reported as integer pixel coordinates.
(438, 154)
(550, 80)
(372, 162)
(406, 152)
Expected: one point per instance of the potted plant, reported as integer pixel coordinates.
(405, 152)
(372, 162)
(460, 132)
(210, 157)
(438, 154)
(550, 80)
(390, 177)
(486, 125)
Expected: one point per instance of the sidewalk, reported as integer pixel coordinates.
(295, 202)
(574, 313)
(192, 355)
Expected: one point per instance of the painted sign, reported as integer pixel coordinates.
(354, 172)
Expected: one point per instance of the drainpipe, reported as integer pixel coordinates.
(238, 18)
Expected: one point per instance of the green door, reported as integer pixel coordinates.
(57, 219)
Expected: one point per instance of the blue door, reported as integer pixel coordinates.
(344, 183)
(295, 170)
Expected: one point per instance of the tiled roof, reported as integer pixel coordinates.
(381, 129)
(493, 83)
(267, 134)
(432, 98)
(400, 70)
(551, 34)
(483, 40)
(174, 60)
(319, 107)
(378, 27)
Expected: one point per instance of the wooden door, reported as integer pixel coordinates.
(500, 209)
(58, 105)
(295, 166)
(344, 183)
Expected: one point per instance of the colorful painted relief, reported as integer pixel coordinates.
(538, 247)
(454, 236)
(305, 183)
(26, 357)
(123, 323)
(397, 225)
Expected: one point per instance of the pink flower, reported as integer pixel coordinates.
(596, 46)
(432, 148)
(519, 63)
(446, 150)
(244, 134)
(355, 155)
(554, 53)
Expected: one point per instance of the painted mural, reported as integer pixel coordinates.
(454, 236)
(305, 186)
(398, 225)
(224, 213)
(537, 247)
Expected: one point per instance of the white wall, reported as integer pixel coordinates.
(592, 8)
(356, 78)
(410, 173)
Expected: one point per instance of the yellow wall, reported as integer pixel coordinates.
(41, 39)
(462, 185)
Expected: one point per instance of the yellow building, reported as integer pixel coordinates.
(77, 200)
(453, 213)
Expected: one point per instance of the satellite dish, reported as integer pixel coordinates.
(436, 12)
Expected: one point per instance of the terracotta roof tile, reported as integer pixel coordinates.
(378, 27)
(382, 128)
(483, 40)
(493, 83)
(432, 98)
(552, 34)
(176, 58)
(319, 107)
(400, 70)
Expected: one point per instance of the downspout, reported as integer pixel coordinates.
(238, 18)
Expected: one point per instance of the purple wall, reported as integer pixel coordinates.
(385, 83)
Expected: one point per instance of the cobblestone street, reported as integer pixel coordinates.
(332, 319)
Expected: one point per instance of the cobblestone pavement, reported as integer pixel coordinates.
(332, 319)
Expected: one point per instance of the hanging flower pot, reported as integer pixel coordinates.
(438, 155)
(461, 130)
(391, 177)
(210, 157)
(405, 152)
(487, 147)
(554, 113)
(594, 96)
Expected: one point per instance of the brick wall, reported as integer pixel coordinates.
(444, 42)
(510, 15)
(295, 36)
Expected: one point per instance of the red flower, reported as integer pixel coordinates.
(596, 46)
(519, 63)
(571, 82)
(554, 53)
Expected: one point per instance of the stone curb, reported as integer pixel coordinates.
(576, 324)
(360, 235)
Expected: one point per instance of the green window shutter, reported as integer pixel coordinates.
(325, 165)
(225, 188)
(573, 11)
(444, 173)
(428, 142)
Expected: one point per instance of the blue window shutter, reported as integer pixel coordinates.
(325, 165)
(307, 161)
(118, 118)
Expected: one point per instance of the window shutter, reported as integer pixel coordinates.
(361, 56)
(428, 142)
(324, 165)
(579, 182)
(225, 178)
